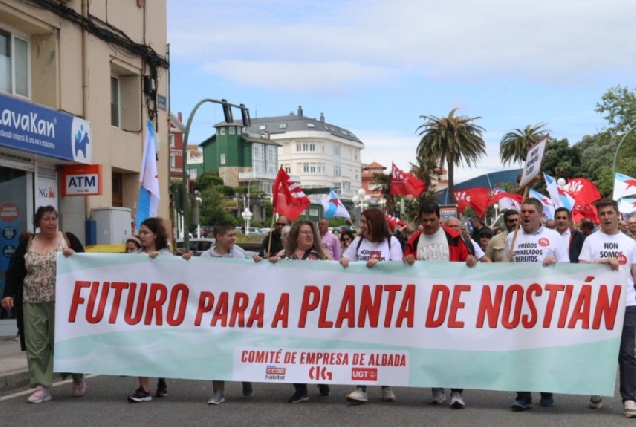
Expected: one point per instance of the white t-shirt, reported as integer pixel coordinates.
(478, 251)
(599, 245)
(376, 250)
(537, 246)
(433, 247)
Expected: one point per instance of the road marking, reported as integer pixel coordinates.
(29, 391)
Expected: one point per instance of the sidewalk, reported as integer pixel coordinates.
(13, 362)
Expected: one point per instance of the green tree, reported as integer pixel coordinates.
(514, 146)
(213, 208)
(451, 140)
(619, 106)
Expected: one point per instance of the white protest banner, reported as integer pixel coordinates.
(534, 160)
(495, 326)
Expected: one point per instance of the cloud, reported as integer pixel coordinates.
(557, 42)
(299, 77)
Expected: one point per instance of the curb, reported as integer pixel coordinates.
(11, 381)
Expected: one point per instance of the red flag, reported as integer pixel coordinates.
(476, 198)
(288, 198)
(393, 221)
(587, 210)
(404, 184)
(583, 191)
(506, 200)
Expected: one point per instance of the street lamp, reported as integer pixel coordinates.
(227, 112)
(496, 206)
(247, 216)
(382, 203)
(361, 201)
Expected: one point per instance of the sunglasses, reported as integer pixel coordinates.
(280, 224)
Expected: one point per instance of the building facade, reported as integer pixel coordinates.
(177, 131)
(320, 154)
(78, 82)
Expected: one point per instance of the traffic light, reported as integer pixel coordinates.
(245, 115)
(227, 111)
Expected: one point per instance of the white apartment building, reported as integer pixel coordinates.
(319, 153)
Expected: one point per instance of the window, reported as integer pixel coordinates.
(337, 168)
(171, 140)
(15, 70)
(345, 187)
(314, 168)
(222, 158)
(222, 131)
(305, 167)
(262, 127)
(258, 158)
(282, 126)
(173, 161)
(287, 169)
(306, 146)
(114, 101)
(272, 159)
(310, 125)
(232, 130)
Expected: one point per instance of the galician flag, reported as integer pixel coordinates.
(333, 207)
(548, 205)
(627, 206)
(623, 186)
(560, 198)
(148, 203)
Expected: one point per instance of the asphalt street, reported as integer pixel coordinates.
(186, 405)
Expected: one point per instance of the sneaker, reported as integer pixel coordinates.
(248, 390)
(358, 395)
(299, 396)
(596, 402)
(457, 402)
(547, 402)
(79, 388)
(629, 409)
(141, 395)
(324, 389)
(162, 388)
(521, 405)
(41, 394)
(217, 398)
(387, 394)
(17, 338)
(438, 396)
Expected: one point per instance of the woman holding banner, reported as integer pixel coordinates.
(303, 243)
(374, 244)
(154, 241)
(35, 267)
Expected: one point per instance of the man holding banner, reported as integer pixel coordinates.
(535, 243)
(437, 243)
(611, 247)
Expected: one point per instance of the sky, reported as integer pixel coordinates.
(374, 67)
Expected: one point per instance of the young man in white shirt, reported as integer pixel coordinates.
(534, 243)
(612, 247)
(437, 243)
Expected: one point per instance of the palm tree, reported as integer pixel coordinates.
(451, 140)
(514, 146)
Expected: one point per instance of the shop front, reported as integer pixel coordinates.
(34, 143)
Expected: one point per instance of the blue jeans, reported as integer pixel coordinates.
(627, 355)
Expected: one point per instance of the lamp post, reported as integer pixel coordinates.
(361, 201)
(616, 157)
(247, 216)
(227, 112)
(496, 206)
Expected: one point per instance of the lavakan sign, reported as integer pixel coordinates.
(30, 127)
(82, 180)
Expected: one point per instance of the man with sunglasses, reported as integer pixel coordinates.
(497, 245)
(274, 235)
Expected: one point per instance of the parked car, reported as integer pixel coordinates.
(197, 246)
(252, 230)
(206, 230)
(265, 230)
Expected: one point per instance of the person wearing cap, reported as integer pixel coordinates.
(485, 234)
